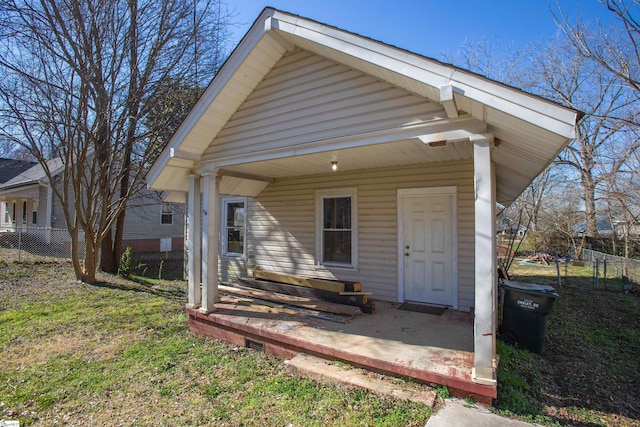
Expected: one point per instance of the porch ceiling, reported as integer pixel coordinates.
(398, 153)
(531, 131)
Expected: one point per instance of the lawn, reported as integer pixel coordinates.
(589, 372)
(120, 353)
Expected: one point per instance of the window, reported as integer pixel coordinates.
(336, 217)
(166, 216)
(24, 212)
(234, 222)
(13, 217)
(34, 217)
(7, 215)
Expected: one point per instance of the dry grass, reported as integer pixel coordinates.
(120, 353)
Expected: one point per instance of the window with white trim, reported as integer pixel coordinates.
(234, 225)
(336, 227)
(166, 215)
(24, 212)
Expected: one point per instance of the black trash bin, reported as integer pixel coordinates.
(525, 309)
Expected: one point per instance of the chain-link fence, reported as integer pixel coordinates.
(607, 267)
(38, 243)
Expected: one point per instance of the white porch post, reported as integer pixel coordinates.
(48, 216)
(485, 261)
(211, 196)
(194, 240)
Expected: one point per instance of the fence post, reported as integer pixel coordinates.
(597, 272)
(558, 269)
(19, 244)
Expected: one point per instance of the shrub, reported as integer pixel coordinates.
(126, 263)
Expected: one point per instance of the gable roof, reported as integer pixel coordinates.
(527, 126)
(34, 175)
(9, 168)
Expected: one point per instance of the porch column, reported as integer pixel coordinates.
(485, 261)
(194, 240)
(211, 196)
(48, 215)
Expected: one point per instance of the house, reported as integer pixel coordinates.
(323, 153)
(30, 205)
(9, 168)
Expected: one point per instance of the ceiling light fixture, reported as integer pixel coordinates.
(437, 144)
(334, 166)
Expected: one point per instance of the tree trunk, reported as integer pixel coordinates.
(90, 259)
(107, 255)
(588, 191)
(117, 241)
(75, 259)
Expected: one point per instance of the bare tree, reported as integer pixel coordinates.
(611, 54)
(76, 77)
(615, 47)
(577, 82)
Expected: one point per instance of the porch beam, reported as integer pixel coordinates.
(194, 240)
(210, 242)
(176, 153)
(448, 101)
(484, 371)
(462, 127)
(233, 174)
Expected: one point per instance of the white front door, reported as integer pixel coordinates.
(428, 248)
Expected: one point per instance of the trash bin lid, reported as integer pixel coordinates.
(530, 287)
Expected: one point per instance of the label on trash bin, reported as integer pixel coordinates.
(528, 304)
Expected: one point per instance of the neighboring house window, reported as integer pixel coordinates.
(336, 225)
(13, 218)
(34, 217)
(167, 214)
(234, 224)
(7, 215)
(24, 212)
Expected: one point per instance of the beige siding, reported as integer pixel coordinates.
(281, 225)
(308, 98)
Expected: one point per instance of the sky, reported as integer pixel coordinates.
(428, 27)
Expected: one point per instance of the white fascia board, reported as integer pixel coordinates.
(538, 111)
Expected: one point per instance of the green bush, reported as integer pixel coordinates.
(126, 263)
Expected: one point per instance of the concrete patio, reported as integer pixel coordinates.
(427, 348)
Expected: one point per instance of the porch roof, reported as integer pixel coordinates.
(524, 126)
(34, 175)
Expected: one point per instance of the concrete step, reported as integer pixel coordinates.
(342, 374)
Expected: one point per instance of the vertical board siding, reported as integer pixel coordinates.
(307, 98)
(281, 226)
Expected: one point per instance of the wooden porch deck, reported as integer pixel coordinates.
(424, 347)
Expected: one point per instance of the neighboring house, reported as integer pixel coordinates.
(607, 227)
(506, 229)
(323, 153)
(9, 168)
(29, 204)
